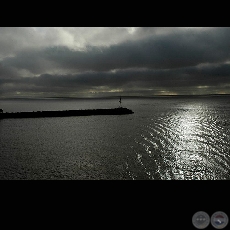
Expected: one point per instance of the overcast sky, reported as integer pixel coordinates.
(113, 61)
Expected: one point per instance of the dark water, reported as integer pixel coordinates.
(165, 139)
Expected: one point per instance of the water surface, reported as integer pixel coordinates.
(165, 139)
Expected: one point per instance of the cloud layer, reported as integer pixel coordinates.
(85, 62)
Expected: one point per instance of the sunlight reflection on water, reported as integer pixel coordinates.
(186, 144)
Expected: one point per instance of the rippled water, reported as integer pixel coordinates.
(165, 139)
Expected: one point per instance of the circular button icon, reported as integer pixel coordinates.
(201, 220)
(219, 220)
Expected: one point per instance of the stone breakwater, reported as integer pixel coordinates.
(66, 113)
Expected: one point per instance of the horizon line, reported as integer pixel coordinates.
(124, 96)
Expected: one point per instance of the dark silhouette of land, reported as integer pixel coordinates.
(67, 113)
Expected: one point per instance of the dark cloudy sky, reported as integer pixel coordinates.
(111, 61)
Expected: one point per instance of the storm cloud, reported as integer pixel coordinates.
(114, 61)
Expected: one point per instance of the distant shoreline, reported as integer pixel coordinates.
(115, 97)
